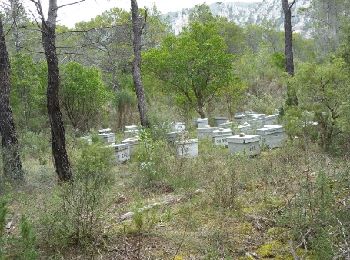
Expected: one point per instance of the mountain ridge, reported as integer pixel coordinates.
(243, 14)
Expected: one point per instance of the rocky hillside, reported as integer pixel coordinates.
(248, 13)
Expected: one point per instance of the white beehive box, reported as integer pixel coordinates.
(240, 118)
(228, 124)
(255, 124)
(272, 136)
(220, 120)
(246, 144)
(202, 122)
(244, 128)
(122, 152)
(271, 119)
(105, 131)
(132, 142)
(108, 138)
(220, 136)
(131, 127)
(178, 127)
(131, 133)
(205, 132)
(187, 148)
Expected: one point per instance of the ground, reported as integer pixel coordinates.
(216, 206)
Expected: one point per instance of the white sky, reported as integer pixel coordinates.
(90, 8)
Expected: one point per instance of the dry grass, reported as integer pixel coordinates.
(236, 217)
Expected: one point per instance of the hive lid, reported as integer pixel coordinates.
(244, 125)
(202, 119)
(243, 139)
(271, 116)
(104, 131)
(274, 128)
(239, 116)
(119, 146)
(221, 117)
(178, 123)
(222, 131)
(131, 140)
(106, 134)
(257, 116)
(189, 141)
(131, 127)
(207, 128)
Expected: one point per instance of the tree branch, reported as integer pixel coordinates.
(291, 5)
(73, 3)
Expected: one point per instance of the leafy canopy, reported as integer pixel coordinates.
(193, 65)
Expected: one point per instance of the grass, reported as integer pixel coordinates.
(242, 213)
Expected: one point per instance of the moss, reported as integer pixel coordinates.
(278, 250)
(244, 228)
(279, 233)
(272, 249)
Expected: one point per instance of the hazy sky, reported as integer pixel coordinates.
(90, 8)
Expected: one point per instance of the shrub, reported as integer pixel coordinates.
(324, 91)
(27, 240)
(76, 208)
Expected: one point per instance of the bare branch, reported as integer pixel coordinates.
(292, 4)
(73, 3)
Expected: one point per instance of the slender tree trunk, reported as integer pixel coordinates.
(137, 24)
(62, 165)
(200, 107)
(15, 9)
(289, 59)
(10, 147)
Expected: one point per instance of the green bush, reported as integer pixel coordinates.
(75, 210)
(3, 213)
(27, 240)
(84, 96)
(323, 90)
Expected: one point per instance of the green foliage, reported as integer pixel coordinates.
(124, 101)
(36, 145)
(27, 240)
(28, 95)
(74, 215)
(264, 78)
(193, 66)
(152, 167)
(278, 59)
(3, 213)
(324, 91)
(159, 169)
(201, 14)
(83, 94)
(312, 215)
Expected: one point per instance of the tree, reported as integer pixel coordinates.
(10, 147)
(48, 31)
(194, 65)
(288, 32)
(329, 18)
(324, 90)
(137, 27)
(83, 95)
(28, 80)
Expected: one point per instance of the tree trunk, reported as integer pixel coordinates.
(15, 9)
(10, 148)
(58, 141)
(137, 24)
(289, 60)
(288, 32)
(200, 107)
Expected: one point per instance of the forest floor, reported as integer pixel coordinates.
(216, 206)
